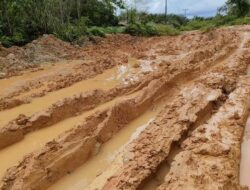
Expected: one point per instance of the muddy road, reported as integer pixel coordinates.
(161, 113)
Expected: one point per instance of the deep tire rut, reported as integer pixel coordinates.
(201, 102)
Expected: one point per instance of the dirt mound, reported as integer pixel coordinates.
(45, 49)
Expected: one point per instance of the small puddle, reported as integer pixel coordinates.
(158, 178)
(83, 176)
(245, 157)
(48, 70)
(107, 80)
(248, 70)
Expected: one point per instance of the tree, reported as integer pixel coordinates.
(27, 19)
(238, 8)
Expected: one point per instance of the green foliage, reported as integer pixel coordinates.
(24, 20)
(138, 29)
(73, 20)
(197, 24)
(96, 31)
(170, 19)
(237, 8)
(72, 32)
(163, 29)
(114, 29)
(241, 21)
(150, 29)
(217, 21)
(132, 17)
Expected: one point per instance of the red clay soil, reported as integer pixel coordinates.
(199, 77)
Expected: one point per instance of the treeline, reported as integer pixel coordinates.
(24, 20)
(72, 20)
(234, 12)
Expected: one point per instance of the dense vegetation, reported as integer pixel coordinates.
(24, 20)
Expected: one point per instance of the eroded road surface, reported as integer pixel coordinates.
(126, 113)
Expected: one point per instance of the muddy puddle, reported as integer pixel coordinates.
(158, 178)
(109, 79)
(245, 157)
(47, 70)
(248, 70)
(83, 176)
(11, 155)
(245, 152)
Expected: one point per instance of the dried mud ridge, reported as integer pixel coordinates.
(206, 104)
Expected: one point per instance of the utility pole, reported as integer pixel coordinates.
(135, 4)
(166, 9)
(185, 12)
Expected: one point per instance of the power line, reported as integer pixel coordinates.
(166, 9)
(185, 12)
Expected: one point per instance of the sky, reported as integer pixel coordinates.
(204, 8)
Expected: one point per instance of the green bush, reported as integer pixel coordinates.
(72, 32)
(6, 41)
(151, 29)
(96, 31)
(138, 29)
(114, 30)
(241, 21)
(164, 29)
(217, 21)
(197, 25)
(16, 39)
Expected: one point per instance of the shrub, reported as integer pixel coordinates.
(197, 24)
(151, 29)
(241, 21)
(6, 41)
(164, 29)
(138, 29)
(72, 32)
(16, 39)
(96, 31)
(114, 30)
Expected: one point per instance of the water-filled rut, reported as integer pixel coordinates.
(151, 121)
(84, 175)
(109, 79)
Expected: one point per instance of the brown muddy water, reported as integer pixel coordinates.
(37, 139)
(245, 157)
(11, 155)
(109, 79)
(83, 176)
(47, 70)
(245, 152)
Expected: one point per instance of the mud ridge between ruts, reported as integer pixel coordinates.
(210, 157)
(80, 143)
(144, 155)
(15, 130)
(224, 43)
(142, 158)
(103, 133)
